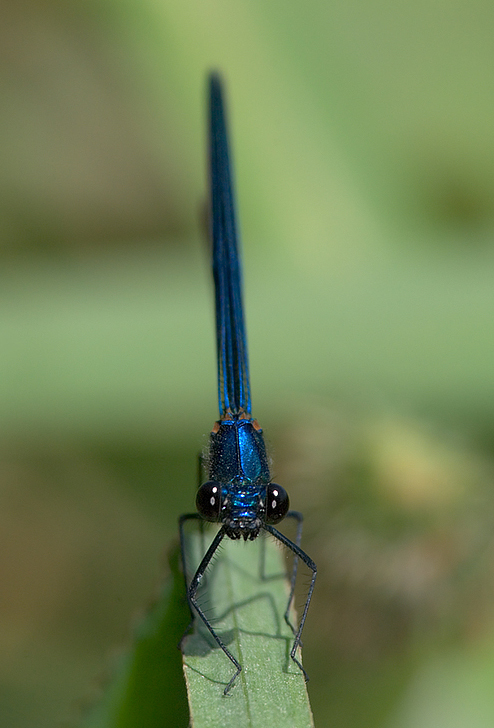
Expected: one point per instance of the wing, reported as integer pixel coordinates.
(233, 366)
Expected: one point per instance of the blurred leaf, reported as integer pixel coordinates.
(148, 689)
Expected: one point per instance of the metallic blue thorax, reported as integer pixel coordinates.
(238, 461)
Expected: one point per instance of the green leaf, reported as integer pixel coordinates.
(247, 612)
(148, 690)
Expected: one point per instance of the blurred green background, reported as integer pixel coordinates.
(364, 158)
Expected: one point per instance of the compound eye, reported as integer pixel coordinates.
(277, 503)
(208, 500)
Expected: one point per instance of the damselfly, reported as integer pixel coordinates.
(239, 494)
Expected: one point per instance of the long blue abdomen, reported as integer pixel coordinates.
(233, 366)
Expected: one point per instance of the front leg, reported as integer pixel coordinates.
(299, 554)
(192, 598)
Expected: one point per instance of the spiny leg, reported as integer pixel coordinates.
(183, 519)
(297, 551)
(192, 592)
(298, 517)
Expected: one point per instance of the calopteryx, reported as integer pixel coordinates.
(239, 494)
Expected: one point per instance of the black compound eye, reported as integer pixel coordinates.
(208, 500)
(277, 503)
